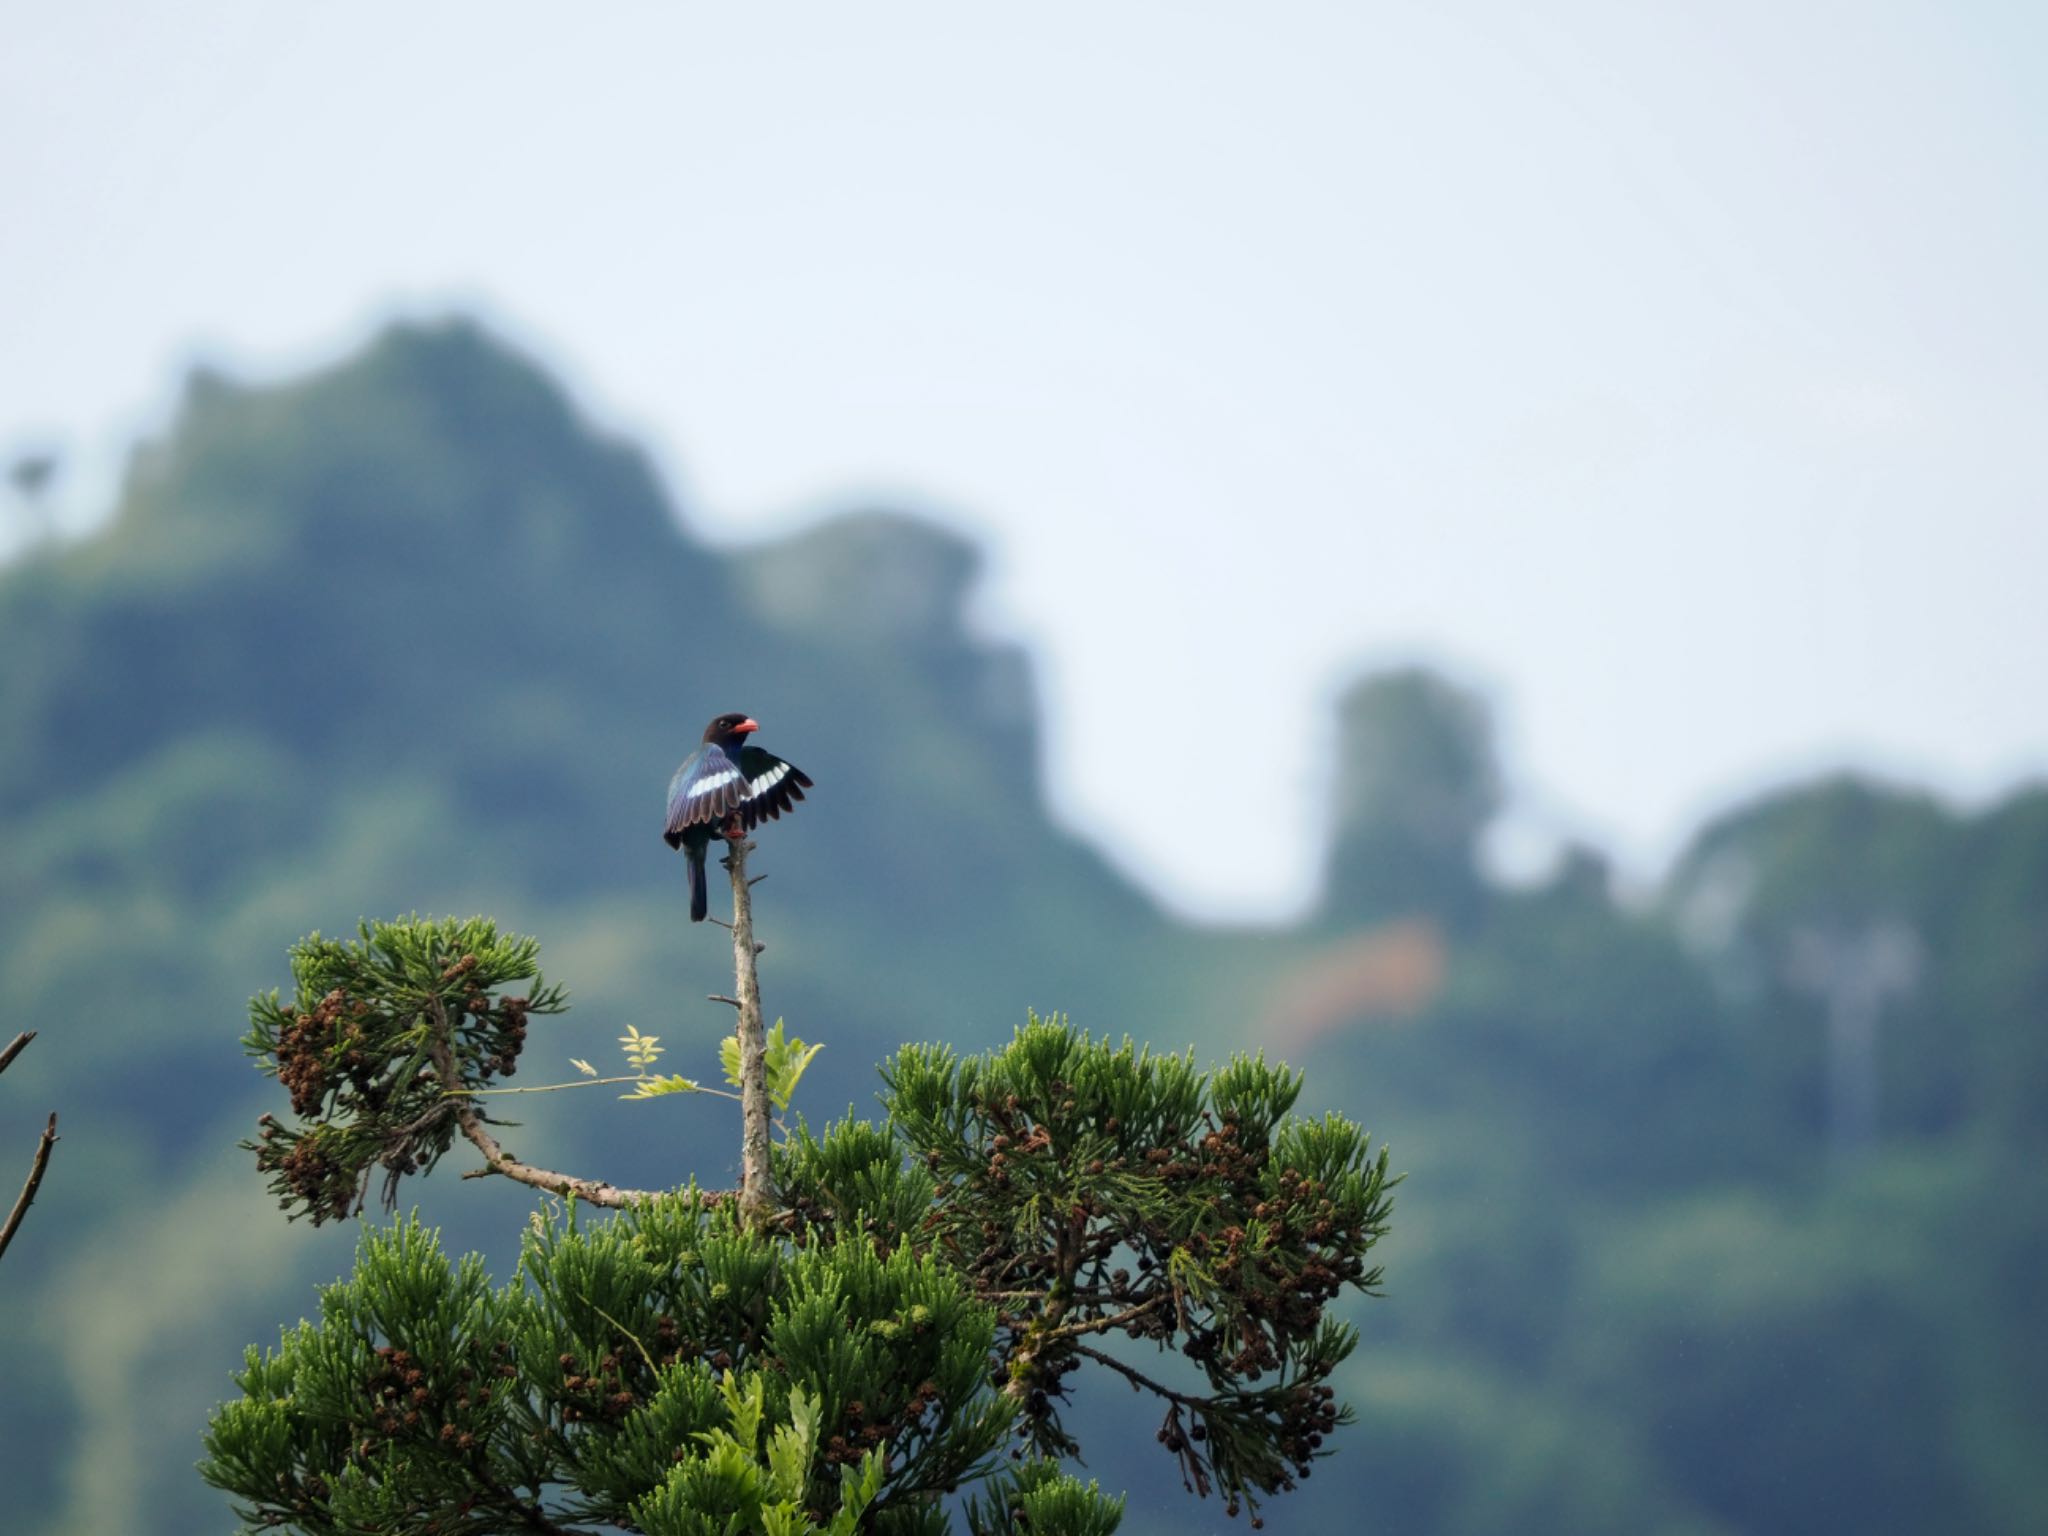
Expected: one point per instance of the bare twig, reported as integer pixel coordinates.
(27, 1196)
(595, 1191)
(593, 1082)
(574, 1082)
(1102, 1324)
(757, 1189)
(1140, 1381)
(720, 997)
(1197, 1470)
(498, 1160)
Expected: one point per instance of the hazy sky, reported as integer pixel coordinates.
(1673, 372)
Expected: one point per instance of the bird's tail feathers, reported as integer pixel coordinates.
(700, 899)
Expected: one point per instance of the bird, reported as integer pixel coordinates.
(725, 789)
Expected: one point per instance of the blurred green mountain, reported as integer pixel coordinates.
(1723, 1211)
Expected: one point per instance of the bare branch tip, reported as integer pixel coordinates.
(15, 1047)
(27, 1197)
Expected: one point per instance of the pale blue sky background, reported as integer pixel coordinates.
(1674, 372)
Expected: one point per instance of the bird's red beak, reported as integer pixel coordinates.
(746, 725)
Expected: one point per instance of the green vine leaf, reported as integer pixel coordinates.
(661, 1087)
(640, 1049)
(786, 1060)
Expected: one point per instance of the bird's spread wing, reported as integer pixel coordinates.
(708, 788)
(772, 786)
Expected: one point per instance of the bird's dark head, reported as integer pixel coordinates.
(730, 728)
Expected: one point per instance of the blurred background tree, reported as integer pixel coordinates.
(30, 475)
(408, 629)
(1416, 786)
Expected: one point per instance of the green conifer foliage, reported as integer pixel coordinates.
(665, 1371)
(888, 1354)
(385, 1034)
(1094, 1191)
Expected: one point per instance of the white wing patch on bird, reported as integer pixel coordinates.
(710, 787)
(711, 783)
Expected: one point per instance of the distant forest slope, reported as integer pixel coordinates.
(1723, 1214)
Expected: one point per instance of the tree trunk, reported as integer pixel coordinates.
(757, 1188)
